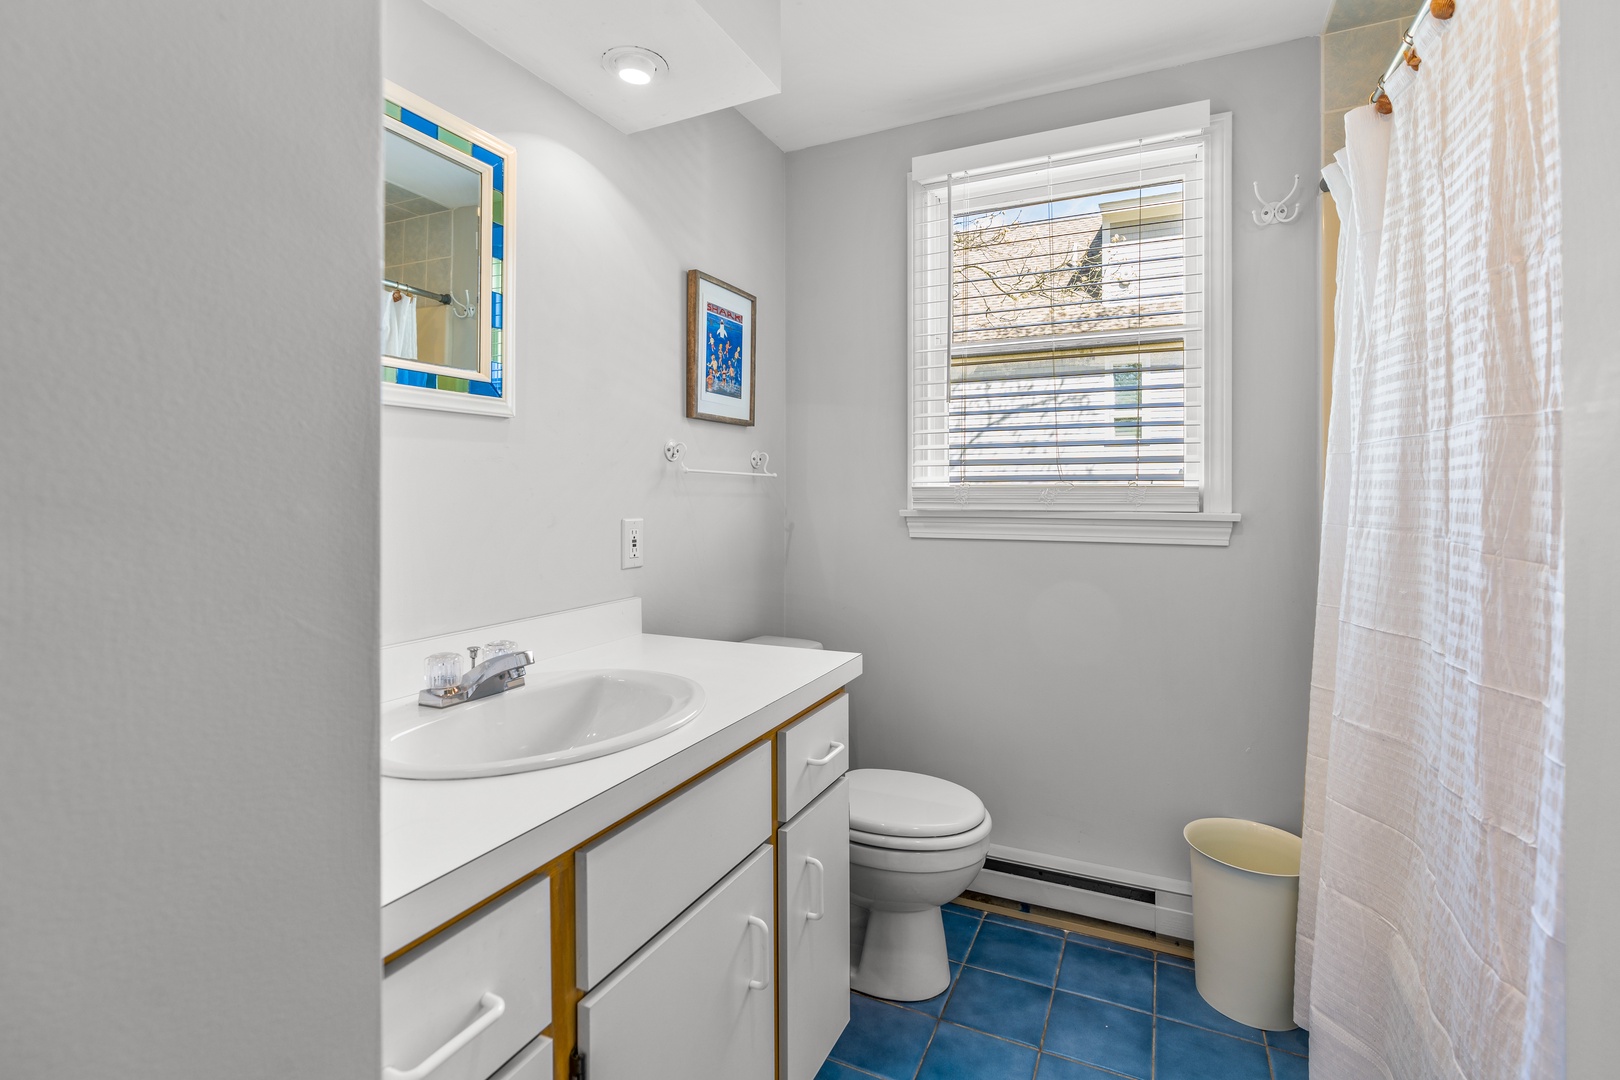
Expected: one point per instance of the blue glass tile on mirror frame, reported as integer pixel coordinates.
(1019, 953)
(407, 377)
(1189, 1053)
(883, 1039)
(1000, 1005)
(497, 242)
(420, 123)
(495, 310)
(959, 1054)
(1112, 976)
(492, 159)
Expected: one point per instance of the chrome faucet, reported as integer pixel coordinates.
(495, 675)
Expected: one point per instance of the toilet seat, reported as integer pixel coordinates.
(887, 805)
(922, 843)
(963, 850)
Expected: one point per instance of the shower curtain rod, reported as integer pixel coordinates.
(1439, 9)
(1378, 99)
(444, 298)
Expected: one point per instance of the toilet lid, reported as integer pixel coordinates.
(887, 802)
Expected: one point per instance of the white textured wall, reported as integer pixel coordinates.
(188, 551)
(489, 520)
(1589, 88)
(1096, 696)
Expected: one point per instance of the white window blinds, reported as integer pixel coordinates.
(1058, 324)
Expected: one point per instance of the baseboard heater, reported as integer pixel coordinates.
(1071, 881)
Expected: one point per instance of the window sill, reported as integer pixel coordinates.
(1089, 527)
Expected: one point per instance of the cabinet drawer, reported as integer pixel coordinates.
(489, 975)
(813, 753)
(699, 1001)
(631, 883)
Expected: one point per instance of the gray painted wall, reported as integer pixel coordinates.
(1591, 160)
(608, 225)
(1022, 669)
(188, 781)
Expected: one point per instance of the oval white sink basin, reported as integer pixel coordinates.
(554, 720)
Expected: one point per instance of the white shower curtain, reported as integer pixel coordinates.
(1430, 925)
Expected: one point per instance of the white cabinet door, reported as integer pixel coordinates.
(813, 930)
(697, 1001)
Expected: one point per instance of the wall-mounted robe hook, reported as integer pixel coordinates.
(1276, 213)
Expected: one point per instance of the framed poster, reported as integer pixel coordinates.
(719, 351)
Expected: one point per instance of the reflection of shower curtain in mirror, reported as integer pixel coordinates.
(399, 325)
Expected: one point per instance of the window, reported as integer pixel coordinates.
(1069, 335)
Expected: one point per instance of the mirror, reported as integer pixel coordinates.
(431, 254)
(447, 267)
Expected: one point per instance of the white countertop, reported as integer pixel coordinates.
(447, 844)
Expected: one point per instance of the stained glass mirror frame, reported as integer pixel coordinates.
(455, 138)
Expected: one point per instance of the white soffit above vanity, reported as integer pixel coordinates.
(720, 52)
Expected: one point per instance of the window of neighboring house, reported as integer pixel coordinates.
(1069, 330)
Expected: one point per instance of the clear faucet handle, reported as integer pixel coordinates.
(443, 669)
(496, 648)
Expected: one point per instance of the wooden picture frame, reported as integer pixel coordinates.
(720, 346)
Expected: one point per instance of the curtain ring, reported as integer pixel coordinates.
(1380, 100)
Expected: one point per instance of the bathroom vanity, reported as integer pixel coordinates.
(678, 908)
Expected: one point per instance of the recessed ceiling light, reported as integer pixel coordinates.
(633, 64)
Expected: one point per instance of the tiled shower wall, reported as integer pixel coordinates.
(1353, 60)
(1361, 39)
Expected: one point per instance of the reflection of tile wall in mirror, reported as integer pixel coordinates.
(464, 281)
(430, 332)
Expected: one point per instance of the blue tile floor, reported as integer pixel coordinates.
(1030, 1002)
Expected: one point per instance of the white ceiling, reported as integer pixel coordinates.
(850, 67)
(720, 52)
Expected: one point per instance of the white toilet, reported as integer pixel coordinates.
(915, 842)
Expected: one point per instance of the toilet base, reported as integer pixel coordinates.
(903, 956)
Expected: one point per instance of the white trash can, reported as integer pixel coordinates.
(1245, 879)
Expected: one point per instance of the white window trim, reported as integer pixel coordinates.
(1211, 525)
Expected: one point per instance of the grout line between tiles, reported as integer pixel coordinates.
(1153, 1046)
(1050, 1003)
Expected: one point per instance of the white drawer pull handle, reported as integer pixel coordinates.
(821, 888)
(756, 921)
(832, 752)
(492, 1006)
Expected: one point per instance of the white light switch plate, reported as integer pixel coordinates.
(632, 544)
